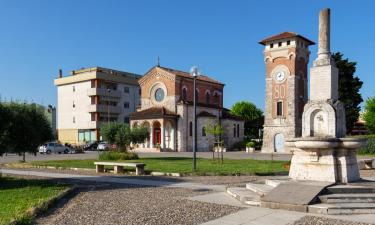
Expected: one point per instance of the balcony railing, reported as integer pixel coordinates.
(104, 109)
(103, 92)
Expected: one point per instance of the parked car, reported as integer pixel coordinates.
(91, 146)
(102, 146)
(53, 147)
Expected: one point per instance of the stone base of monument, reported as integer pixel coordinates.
(324, 159)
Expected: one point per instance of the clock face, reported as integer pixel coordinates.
(280, 76)
(159, 95)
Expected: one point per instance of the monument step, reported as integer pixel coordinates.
(274, 183)
(351, 189)
(348, 198)
(260, 189)
(342, 208)
(244, 195)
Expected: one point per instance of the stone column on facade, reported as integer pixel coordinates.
(162, 129)
(151, 134)
(324, 34)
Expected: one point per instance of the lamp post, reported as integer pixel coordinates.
(194, 73)
(108, 91)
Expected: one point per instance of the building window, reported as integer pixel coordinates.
(191, 128)
(207, 98)
(92, 116)
(238, 130)
(74, 88)
(287, 42)
(74, 119)
(271, 45)
(203, 131)
(184, 94)
(126, 90)
(234, 130)
(126, 105)
(126, 119)
(74, 104)
(280, 43)
(279, 109)
(216, 97)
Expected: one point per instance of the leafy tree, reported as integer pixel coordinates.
(252, 115)
(369, 114)
(349, 86)
(5, 122)
(139, 134)
(108, 131)
(121, 134)
(29, 128)
(218, 131)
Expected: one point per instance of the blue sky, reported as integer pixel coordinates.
(38, 37)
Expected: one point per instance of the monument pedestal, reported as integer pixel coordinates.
(325, 159)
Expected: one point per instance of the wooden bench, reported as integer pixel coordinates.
(118, 167)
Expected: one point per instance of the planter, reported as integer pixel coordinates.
(249, 150)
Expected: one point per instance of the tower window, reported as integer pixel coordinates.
(191, 129)
(280, 43)
(74, 119)
(238, 130)
(287, 42)
(74, 104)
(203, 131)
(207, 98)
(184, 94)
(234, 130)
(271, 45)
(74, 88)
(279, 109)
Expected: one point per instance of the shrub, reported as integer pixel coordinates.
(369, 147)
(239, 145)
(115, 155)
(250, 144)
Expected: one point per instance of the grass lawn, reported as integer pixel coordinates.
(19, 195)
(184, 165)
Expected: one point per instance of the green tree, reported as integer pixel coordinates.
(253, 117)
(139, 134)
(28, 128)
(108, 131)
(123, 136)
(5, 122)
(369, 114)
(349, 86)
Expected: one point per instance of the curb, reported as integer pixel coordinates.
(44, 206)
(165, 174)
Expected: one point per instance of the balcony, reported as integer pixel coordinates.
(104, 109)
(103, 92)
(93, 125)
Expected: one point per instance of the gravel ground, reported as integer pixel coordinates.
(135, 205)
(315, 220)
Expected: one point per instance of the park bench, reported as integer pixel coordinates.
(365, 164)
(118, 167)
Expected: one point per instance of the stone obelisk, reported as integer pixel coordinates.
(322, 154)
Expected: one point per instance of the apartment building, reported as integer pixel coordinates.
(89, 97)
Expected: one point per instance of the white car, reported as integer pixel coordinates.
(52, 147)
(102, 146)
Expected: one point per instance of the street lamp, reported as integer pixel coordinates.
(194, 73)
(108, 91)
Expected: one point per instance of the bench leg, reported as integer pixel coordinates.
(118, 169)
(100, 168)
(139, 170)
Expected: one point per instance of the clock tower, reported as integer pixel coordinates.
(286, 56)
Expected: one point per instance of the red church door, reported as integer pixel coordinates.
(157, 136)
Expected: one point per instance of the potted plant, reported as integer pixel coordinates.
(250, 146)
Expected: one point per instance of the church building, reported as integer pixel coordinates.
(167, 111)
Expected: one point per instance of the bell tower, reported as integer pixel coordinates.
(286, 56)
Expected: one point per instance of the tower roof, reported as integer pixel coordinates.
(284, 35)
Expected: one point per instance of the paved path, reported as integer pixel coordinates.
(249, 216)
(117, 180)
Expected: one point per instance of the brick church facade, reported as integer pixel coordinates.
(167, 111)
